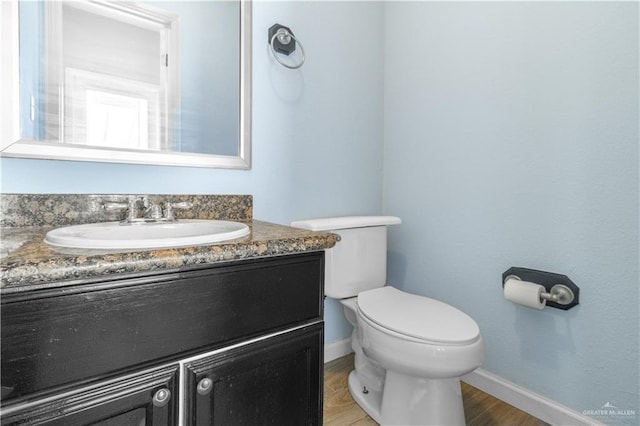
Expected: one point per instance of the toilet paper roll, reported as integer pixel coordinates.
(524, 293)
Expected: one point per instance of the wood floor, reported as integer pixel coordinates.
(480, 409)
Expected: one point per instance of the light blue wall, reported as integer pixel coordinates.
(511, 139)
(317, 132)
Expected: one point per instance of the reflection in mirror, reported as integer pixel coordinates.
(163, 82)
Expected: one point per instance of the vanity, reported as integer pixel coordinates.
(222, 333)
(226, 333)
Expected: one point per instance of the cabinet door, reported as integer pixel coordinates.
(276, 381)
(143, 399)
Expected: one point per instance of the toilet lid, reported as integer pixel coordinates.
(417, 316)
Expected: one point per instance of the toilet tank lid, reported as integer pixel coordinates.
(345, 222)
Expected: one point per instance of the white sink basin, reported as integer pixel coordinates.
(114, 235)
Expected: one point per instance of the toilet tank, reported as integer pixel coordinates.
(358, 262)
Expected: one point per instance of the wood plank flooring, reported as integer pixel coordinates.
(480, 409)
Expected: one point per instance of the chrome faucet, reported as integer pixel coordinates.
(152, 211)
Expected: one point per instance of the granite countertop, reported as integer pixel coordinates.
(27, 262)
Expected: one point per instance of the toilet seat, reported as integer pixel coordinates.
(418, 317)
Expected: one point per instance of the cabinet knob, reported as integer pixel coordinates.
(161, 397)
(204, 386)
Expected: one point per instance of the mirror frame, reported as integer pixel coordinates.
(11, 144)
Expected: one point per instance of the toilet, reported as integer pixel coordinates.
(410, 350)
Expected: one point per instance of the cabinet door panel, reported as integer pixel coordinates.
(54, 338)
(277, 381)
(135, 417)
(132, 400)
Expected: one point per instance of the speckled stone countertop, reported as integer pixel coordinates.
(27, 262)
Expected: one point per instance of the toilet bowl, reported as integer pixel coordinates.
(409, 365)
(417, 335)
(410, 350)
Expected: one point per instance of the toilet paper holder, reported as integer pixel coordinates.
(561, 292)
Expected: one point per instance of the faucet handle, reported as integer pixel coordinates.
(168, 208)
(131, 206)
(114, 205)
(127, 206)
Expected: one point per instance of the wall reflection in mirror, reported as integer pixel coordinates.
(160, 76)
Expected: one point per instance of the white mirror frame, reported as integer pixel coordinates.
(11, 145)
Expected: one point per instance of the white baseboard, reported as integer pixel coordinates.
(530, 402)
(524, 399)
(337, 349)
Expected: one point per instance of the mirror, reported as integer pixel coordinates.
(146, 82)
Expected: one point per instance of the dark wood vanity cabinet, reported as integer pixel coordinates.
(246, 336)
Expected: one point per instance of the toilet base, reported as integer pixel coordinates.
(370, 401)
(407, 400)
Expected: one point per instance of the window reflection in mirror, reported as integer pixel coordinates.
(160, 76)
